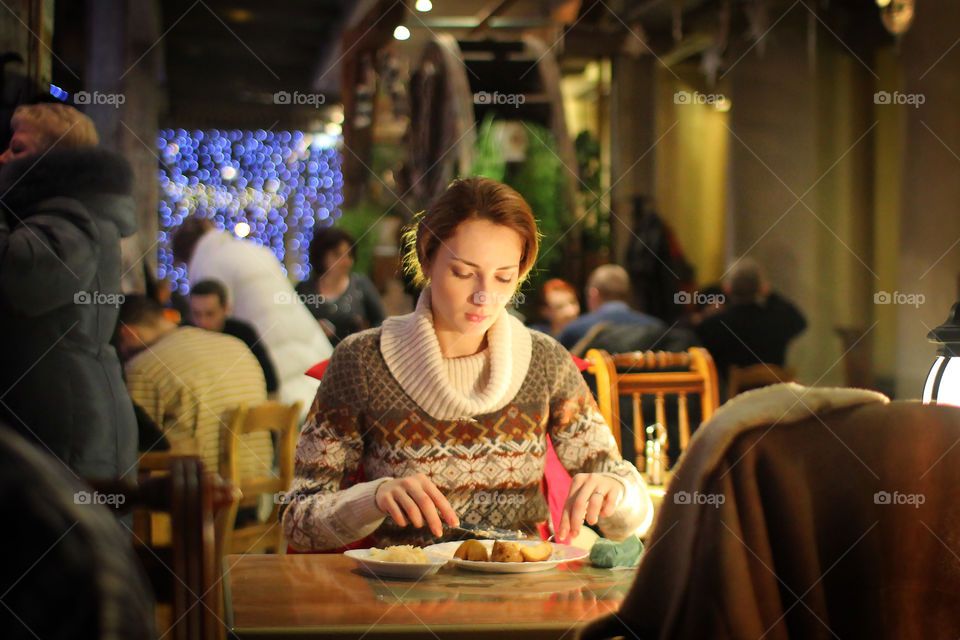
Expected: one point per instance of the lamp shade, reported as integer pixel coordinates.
(943, 381)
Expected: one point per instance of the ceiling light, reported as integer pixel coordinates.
(401, 33)
(426, 5)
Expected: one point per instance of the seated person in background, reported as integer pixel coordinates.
(608, 289)
(260, 294)
(558, 306)
(754, 325)
(342, 300)
(209, 309)
(189, 380)
(446, 411)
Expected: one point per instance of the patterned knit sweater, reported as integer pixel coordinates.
(391, 406)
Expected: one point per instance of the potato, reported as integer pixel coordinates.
(506, 552)
(472, 550)
(537, 552)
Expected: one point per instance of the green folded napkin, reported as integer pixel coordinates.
(608, 553)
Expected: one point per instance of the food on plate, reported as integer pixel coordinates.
(504, 551)
(608, 553)
(472, 550)
(400, 553)
(536, 552)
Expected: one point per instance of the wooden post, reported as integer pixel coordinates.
(124, 60)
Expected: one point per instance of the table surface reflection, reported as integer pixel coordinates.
(325, 596)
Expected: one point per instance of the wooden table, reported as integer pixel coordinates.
(324, 596)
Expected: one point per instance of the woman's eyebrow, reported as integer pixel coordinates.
(472, 264)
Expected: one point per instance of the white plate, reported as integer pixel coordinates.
(561, 553)
(383, 569)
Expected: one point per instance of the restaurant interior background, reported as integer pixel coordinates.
(804, 133)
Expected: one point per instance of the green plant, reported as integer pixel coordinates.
(487, 159)
(596, 232)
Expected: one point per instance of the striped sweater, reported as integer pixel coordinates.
(189, 381)
(390, 406)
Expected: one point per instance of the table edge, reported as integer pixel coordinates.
(400, 631)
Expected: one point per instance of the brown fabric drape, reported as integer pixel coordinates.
(845, 524)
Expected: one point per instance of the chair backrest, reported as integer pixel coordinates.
(281, 420)
(183, 571)
(741, 379)
(656, 374)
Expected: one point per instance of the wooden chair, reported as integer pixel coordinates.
(282, 420)
(152, 527)
(654, 373)
(183, 570)
(756, 376)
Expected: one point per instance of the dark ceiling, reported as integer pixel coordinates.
(225, 60)
(222, 61)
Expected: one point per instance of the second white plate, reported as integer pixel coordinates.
(561, 553)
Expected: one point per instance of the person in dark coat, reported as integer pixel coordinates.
(656, 264)
(754, 326)
(64, 205)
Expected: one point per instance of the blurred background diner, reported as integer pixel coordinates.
(200, 202)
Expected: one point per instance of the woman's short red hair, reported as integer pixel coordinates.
(470, 199)
(554, 285)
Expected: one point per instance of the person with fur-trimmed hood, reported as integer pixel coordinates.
(64, 206)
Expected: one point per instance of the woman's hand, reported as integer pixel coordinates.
(415, 499)
(591, 495)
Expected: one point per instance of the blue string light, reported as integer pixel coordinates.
(279, 185)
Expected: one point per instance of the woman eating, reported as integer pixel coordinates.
(442, 415)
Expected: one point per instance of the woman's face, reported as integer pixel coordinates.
(25, 142)
(561, 307)
(338, 259)
(473, 276)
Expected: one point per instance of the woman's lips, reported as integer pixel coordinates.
(476, 317)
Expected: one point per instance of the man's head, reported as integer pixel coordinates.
(209, 306)
(607, 283)
(745, 282)
(140, 324)
(38, 127)
(186, 237)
